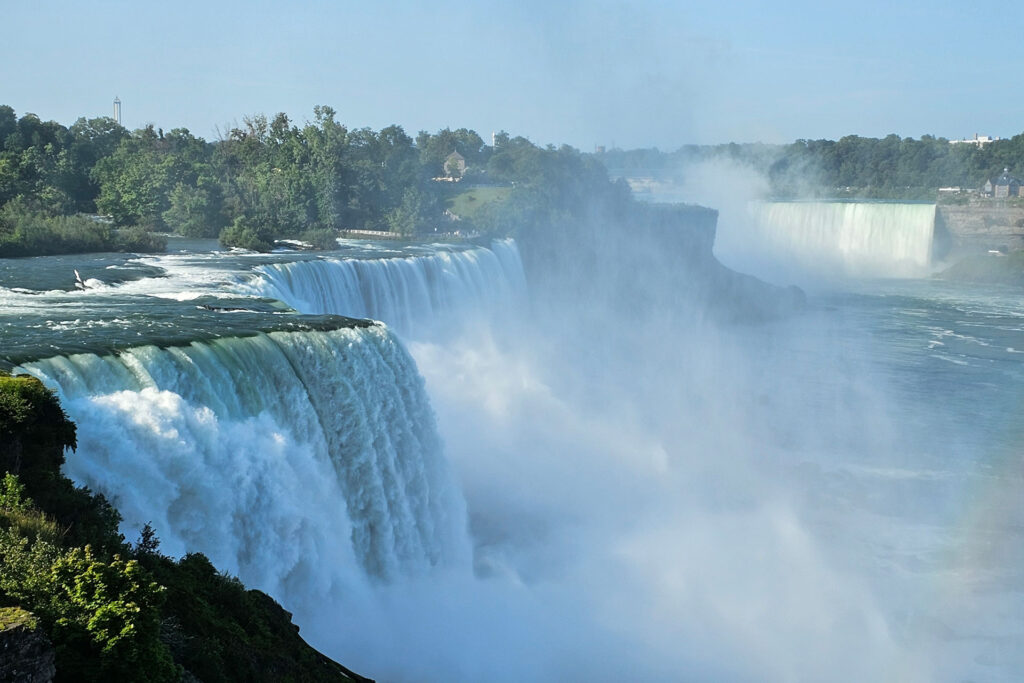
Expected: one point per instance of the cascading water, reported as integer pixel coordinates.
(410, 294)
(834, 238)
(827, 497)
(294, 459)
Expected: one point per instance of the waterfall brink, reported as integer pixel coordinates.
(412, 295)
(293, 459)
(846, 238)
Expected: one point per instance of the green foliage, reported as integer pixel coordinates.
(245, 233)
(264, 180)
(325, 240)
(225, 632)
(435, 149)
(107, 619)
(138, 239)
(34, 431)
(12, 495)
(30, 232)
(194, 211)
(103, 617)
(414, 214)
(15, 616)
(25, 565)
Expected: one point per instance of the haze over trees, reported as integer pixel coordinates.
(890, 167)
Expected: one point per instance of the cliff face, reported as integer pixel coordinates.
(647, 261)
(978, 226)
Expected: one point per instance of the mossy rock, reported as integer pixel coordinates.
(13, 617)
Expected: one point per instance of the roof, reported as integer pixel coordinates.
(455, 155)
(1006, 179)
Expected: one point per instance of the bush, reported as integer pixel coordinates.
(103, 617)
(245, 233)
(320, 239)
(139, 240)
(25, 232)
(107, 619)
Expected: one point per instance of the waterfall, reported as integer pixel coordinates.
(293, 459)
(839, 238)
(411, 294)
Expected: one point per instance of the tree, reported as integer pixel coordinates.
(413, 214)
(194, 211)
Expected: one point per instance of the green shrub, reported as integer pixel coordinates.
(139, 240)
(247, 234)
(320, 239)
(27, 232)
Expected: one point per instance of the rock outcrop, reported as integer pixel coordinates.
(26, 654)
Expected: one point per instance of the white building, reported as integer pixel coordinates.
(978, 140)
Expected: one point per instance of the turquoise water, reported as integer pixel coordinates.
(103, 302)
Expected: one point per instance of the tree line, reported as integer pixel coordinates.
(266, 179)
(854, 166)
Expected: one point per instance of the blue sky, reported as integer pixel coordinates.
(636, 74)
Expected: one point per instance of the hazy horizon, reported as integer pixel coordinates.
(608, 73)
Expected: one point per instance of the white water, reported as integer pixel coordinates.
(831, 239)
(659, 501)
(301, 461)
(413, 295)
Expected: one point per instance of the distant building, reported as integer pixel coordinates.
(455, 165)
(117, 110)
(1005, 186)
(977, 140)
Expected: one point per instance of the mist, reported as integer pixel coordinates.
(654, 492)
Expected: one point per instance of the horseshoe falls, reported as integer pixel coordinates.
(832, 239)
